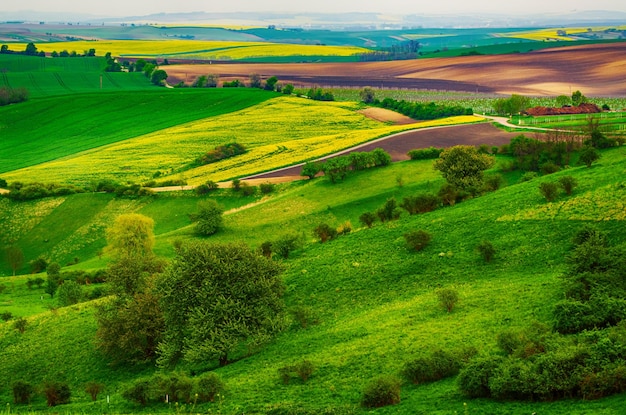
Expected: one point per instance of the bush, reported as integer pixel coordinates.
(448, 194)
(589, 155)
(324, 232)
(93, 389)
(549, 190)
(303, 370)
(367, 219)
(425, 153)
(493, 182)
(473, 379)
(389, 211)
(20, 324)
(417, 240)
(172, 387)
(6, 316)
(287, 243)
(266, 188)
(209, 386)
(69, 293)
(236, 185)
(221, 152)
(486, 250)
(548, 168)
(310, 169)
(57, 393)
(139, 392)
(266, 249)
(208, 218)
(422, 203)
(38, 265)
(433, 367)
(528, 176)
(382, 391)
(345, 228)
(22, 392)
(448, 298)
(568, 183)
(248, 190)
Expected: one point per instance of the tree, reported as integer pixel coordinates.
(15, 258)
(52, 282)
(513, 105)
(270, 83)
(255, 80)
(69, 293)
(563, 100)
(217, 298)
(130, 243)
(208, 218)
(288, 89)
(212, 80)
(578, 98)
(31, 49)
(463, 166)
(158, 77)
(589, 155)
(367, 95)
(310, 169)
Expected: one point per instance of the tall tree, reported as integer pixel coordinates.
(463, 166)
(15, 258)
(217, 298)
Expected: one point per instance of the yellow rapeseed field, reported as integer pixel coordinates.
(277, 133)
(552, 33)
(196, 49)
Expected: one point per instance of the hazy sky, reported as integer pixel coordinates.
(143, 7)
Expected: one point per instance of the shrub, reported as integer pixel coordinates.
(22, 392)
(173, 387)
(208, 218)
(6, 316)
(493, 182)
(221, 152)
(382, 391)
(248, 190)
(549, 190)
(266, 188)
(345, 228)
(208, 386)
(69, 293)
(93, 389)
(20, 324)
(548, 168)
(304, 369)
(138, 391)
(528, 176)
(448, 194)
(509, 341)
(236, 185)
(367, 219)
(568, 183)
(38, 265)
(589, 155)
(287, 243)
(417, 240)
(486, 250)
(425, 153)
(435, 366)
(422, 203)
(311, 169)
(324, 232)
(388, 211)
(448, 298)
(473, 379)
(57, 393)
(266, 249)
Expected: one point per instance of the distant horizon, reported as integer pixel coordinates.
(122, 8)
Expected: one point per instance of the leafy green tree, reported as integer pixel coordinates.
(158, 77)
(310, 169)
(589, 155)
(513, 105)
(31, 49)
(208, 218)
(463, 166)
(563, 100)
(288, 89)
(52, 281)
(15, 258)
(69, 293)
(217, 298)
(270, 83)
(578, 98)
(367, 219)
(549, 190)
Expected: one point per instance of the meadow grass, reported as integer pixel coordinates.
(86, 121)
(277, 133)
(197, 49)
(373, 299)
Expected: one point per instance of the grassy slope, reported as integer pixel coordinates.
(373, 298)
(86, 121)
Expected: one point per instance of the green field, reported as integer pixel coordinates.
(374, 299)
(86, 121)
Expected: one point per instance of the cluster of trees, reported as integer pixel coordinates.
(400, 51)
(421, 111)
(516, 104)
(30, 191)
(254, 81)
(318, 94)
(10, 95)
(30, 50)
(65, 54)
(221, 152)
(337, 168)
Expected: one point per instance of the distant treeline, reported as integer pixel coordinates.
(12, 95)
(31, 50)
(402, 51)
(421, 111)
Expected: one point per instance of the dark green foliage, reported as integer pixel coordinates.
(158, 77)
(38, 265)
(3, 184)
(255, 80)
(448, 297)
(528, 176)
(486, 250)
(367, 95)
(324, 232)
(208, 386)
(382, 391)
(568, 183)
(417, 240)
(425, 153)
(286, 244)
(267, 188)
(310, 169)
(610, 381)
(345, 228)
(473, 379)
(318, 94)
(435, 366)
(549, 190)
(367, 219)
(236, 185)
(302, 370)
(422, 203)
(288, 89)
(266, 249)
(531, 154)
(172, 387)
(270, 83)
(6, 315)
(221, 152)
(69, 293)
(589, 155)
(463, 166)
(57, 393)
(94, 389)
(448, 194)
(493, 182)
(389, 211)
(248, 190)
(246, 306)
(424, 111)
(589, 233)
(513, 105)
(336, 168)
(548, 168)
(52, 281)
(31, 191)
(208, 217)
(22, 392)
(139, 391)
(20, 324)
(14, 257)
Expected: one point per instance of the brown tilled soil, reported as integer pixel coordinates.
(398, 145)
(596, 70)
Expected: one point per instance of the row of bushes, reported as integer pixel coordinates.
(421, 111)
(221, 152)
(31, 191)
(337, 168)
(12, 95)
(175, 387)
(55, 392)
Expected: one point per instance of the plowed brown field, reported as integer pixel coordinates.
(597, 70)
